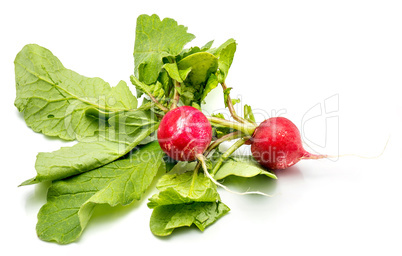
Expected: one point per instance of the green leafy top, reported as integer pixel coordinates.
(154, 41)
(225, 53)
(160, 61)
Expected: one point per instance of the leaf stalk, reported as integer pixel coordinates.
(246, 128)
(231, 108)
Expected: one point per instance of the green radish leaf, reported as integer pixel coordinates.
(202, 64)
(128, 125)
(212, 83)
(196, 105)
(154, 41)
(235, 101)
(160, 89)
(166, 218)
(226, 94)
(184, 199)
(248, 113)
(175, 73)
(157, 90)
(70, 202)
(86, 156)
(207, 46)
(195, 49)
(184, 188)
(166, 82)
(244, 166)
(209, 67)
(189, 94)
(69, 161)
(55, 100)
(225, 54)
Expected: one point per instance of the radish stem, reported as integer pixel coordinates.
(247, 129)
(230, 136)
(216, 143)
(228, 152)
(231, 108)
(176, 96)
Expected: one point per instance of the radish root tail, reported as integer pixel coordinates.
(308, 155)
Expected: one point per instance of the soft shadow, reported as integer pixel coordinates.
(259, 183)
(20, 115)
(181, 231)
(292, 172)
(292, 184)
(37, 197)
(182, 167)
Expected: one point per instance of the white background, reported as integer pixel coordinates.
(291, 57)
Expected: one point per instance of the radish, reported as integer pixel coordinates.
(184, 133)
(276, 144)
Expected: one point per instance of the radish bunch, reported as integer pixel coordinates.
(116, 159)
(177, 88)
(276, 144)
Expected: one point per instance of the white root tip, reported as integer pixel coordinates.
(313, 156)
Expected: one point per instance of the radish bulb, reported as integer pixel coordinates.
(276, 144)
(184, 133)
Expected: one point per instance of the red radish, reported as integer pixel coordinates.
(184, 133)
(276, 144)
